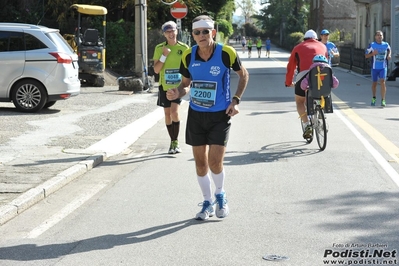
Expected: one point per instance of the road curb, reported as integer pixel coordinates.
(36, 194)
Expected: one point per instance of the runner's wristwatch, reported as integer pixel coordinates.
(237, 99)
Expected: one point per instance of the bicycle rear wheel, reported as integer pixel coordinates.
(308, 140)
(320, 127)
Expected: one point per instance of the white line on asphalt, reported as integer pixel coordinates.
(377, 156)
(123, 138)
(64, 212)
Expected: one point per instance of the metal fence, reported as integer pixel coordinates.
(354, 59)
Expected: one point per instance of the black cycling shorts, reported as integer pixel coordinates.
(298, 90)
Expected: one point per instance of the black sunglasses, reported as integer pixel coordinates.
(204, 32)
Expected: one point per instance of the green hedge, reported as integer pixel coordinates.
(293, 39)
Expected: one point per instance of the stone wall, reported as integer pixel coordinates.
(333, 15)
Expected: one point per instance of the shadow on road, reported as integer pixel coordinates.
(375, 214)
(29, 252)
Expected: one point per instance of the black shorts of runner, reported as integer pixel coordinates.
(207, 128)
(250, 49)
(163, 101)
(298, 90)
(259, 48)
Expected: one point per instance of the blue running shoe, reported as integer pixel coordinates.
(222, 209)
(206, 211)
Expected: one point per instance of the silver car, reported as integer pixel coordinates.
(37, 67)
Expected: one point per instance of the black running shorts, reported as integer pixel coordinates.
(163, 101)
(207, 128)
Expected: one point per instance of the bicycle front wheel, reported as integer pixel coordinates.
(320, 127)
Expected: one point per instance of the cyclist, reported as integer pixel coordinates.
(301, 59)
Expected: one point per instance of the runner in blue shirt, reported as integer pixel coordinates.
(331, 47)
(380, 52)
(268, 44)
(205, 70)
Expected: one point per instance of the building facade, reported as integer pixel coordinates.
(333, 15)
(372, 15)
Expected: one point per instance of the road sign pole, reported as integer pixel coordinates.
(178, 22)
(141, 34)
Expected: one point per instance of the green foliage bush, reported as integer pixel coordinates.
(293, 39)
(251, 30)
(337, 36)
(225, 27)
(120, 53)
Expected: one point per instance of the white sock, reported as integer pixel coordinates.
(205, 185)
(218, 179)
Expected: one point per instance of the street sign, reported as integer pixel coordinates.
(178, 10)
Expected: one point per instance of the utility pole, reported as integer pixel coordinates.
(141, 59)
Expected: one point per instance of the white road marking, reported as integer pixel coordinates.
(377, 156)
(123, 138)
(64, 212)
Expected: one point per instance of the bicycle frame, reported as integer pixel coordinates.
(317, 121)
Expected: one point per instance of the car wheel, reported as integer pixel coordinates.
(49, 104)
(29, 96)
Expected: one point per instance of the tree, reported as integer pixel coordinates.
(280, 18)
(247, 9)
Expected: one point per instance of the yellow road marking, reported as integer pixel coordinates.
(379, 138)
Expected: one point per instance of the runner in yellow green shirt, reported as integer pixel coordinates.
(167, 58)
(249, 46)
(259, 46)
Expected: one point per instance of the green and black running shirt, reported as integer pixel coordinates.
(169, 76)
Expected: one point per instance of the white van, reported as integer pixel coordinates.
(37, 67)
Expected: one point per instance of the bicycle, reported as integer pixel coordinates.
(318, 122)
(319, 90)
